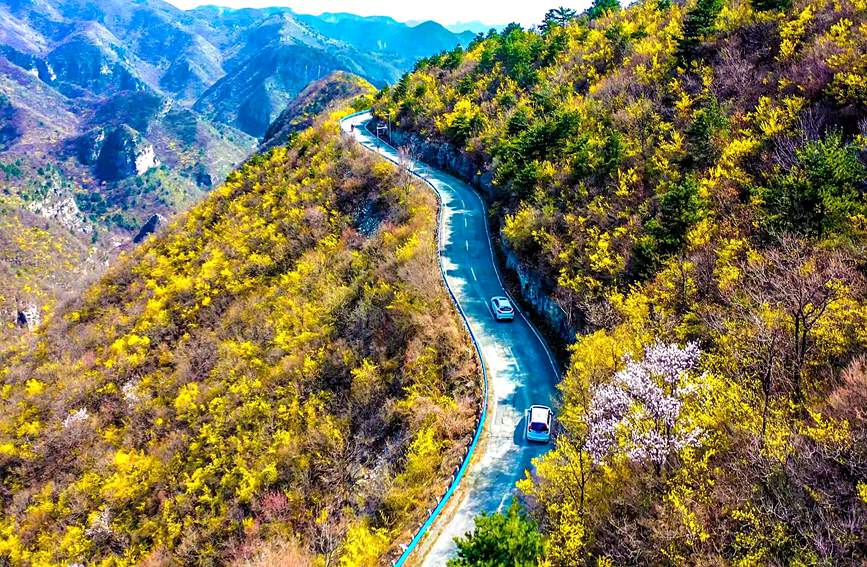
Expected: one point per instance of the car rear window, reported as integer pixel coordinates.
(539, 427)
(539, 414)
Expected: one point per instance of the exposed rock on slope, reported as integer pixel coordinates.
(123, 153)
(150, 227)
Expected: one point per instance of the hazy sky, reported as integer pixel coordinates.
(527, 12)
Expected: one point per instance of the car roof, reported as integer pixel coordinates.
(500, 298)
(539, 414)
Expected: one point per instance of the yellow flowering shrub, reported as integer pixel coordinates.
(243, 375)
(682, 173)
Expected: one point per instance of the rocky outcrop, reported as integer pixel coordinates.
(31, 63)
(88, 145)
(58, 204)
(534, 289)
(535, 292)
(28, 317)
(145, 159)
(117, 154)
(124, 153)
(63, 209)
(202, 177)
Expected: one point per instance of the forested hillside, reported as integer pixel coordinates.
(690, 179)
(332, 91)
(277, 379)
(116, 114)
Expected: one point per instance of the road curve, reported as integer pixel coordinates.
(521, 369)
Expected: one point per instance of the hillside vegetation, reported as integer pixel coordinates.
(113, 112)
(315, 99)
(690, 178)
(279, 378)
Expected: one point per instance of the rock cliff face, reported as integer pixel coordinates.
(28, 317)
(534, 289)
(89, 145)
(117, 154)
(124, 153)
(56, 202)
(447, 157)
(61, 207)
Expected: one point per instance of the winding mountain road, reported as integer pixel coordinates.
(521, 369)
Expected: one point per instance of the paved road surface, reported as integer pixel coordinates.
(521, 369)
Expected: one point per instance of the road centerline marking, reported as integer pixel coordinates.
(514, 359)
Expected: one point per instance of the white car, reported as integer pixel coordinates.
(540, 420)
(502, 308)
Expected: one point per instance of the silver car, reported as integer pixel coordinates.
(540, 420)
(502, 309)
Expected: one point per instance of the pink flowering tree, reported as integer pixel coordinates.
(638, 413)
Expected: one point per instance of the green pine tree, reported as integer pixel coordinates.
(769, 5)
(508, 540)
(602, 7)
(557, 17)
(699, 23)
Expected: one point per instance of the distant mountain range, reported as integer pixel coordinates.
(117, 112)
(474, 26)
(239, 67)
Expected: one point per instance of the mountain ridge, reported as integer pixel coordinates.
(114, 112)
(280, 360)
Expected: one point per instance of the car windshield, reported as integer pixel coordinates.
(539, 427)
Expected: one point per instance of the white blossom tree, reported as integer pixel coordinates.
(638, 412)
